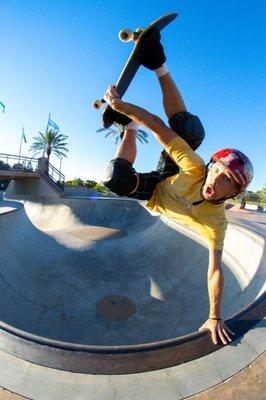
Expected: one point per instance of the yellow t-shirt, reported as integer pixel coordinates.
(174, 196)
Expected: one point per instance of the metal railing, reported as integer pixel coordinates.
(12, 162)
(56, 175)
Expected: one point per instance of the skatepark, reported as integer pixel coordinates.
(97, 288)
(101, 298)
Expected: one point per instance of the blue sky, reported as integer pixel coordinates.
(58, 56)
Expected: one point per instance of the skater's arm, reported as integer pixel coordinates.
(150, 121)
(218, 329)
(215, 282)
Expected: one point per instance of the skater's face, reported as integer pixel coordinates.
(219, 184)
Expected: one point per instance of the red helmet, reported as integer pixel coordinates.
(238, 165)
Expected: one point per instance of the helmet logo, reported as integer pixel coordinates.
(229, 158)
(237, 163)
(238, 173)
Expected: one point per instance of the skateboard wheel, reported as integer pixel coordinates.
(97, 104)
(140, 30)
(126, 35)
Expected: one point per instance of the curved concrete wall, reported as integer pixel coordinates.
(60, 259)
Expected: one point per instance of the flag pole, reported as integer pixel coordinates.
(46, 130)
(20, 145)
(49, 117)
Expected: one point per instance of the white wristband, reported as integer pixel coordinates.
(163, 70)
(133, 126)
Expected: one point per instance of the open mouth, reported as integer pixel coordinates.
(209, 191)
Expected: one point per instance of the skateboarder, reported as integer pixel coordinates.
(182, 188)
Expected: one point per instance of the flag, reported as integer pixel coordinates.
(23, 135)
(53, 124)
(3, 106)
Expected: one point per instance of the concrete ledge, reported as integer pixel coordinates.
(123, 359)
(180, 382)
(9, 174)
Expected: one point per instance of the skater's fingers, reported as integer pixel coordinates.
(214, 336)
(226, 335)
(111, 91)
(221, 335)
(111, 87)
(110, 95)
(230, 332)
(114, 91)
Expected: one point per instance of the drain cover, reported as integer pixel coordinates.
(115, 308)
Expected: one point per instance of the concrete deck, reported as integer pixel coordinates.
(133, 277)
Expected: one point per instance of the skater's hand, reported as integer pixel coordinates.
(111, 96)
(219, 331)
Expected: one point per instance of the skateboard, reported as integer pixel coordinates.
(133, 63)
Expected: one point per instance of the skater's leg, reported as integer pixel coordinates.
(172, 98)
(119, 175)
(128, 148)
(153, 58)
(185, 124)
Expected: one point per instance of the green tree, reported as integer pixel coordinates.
(4, 165)
(4, 182)
(89, 184)
(262, 191)
(75, 182)
(262, 195)
(50, 142)
(117, 131)
(100, 188)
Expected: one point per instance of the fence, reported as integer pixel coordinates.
(11, 162)
(56, 175)
(18, 163)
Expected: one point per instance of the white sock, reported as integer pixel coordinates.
(163, 70)
(133, 126)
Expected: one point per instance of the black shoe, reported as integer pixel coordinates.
(151, 52)
(112, 116)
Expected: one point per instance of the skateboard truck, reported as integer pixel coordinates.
(127, 35)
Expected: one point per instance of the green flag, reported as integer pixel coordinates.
(23, 135)
(3, 106)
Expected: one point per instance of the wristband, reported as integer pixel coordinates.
(161, 71)
(216, 319)
(133, 126)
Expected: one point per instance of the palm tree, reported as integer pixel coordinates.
(50, 142)
(118, 131)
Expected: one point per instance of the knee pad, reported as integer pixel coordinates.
(195, 131)
(189, 127)
(119, 177)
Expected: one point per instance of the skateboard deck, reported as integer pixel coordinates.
(133, 63)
